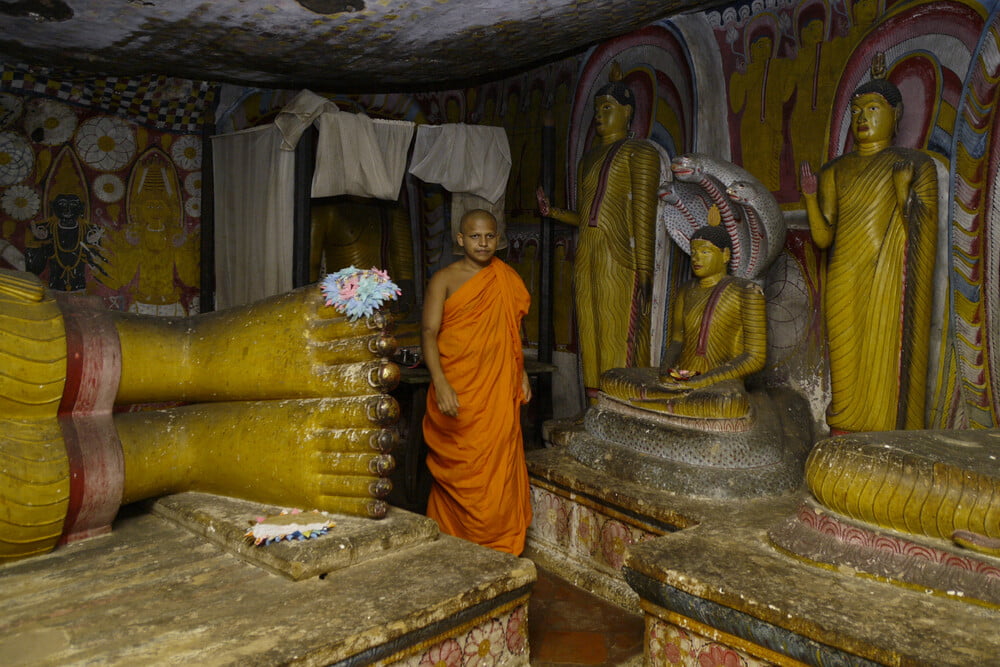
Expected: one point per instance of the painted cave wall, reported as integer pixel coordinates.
(130, 150)
(764, 84)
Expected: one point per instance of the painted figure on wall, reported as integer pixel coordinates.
(66, 243)
(758, 99)
(875, 209)
(616, 216)
(154, 249)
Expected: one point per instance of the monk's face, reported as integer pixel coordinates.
(610, 116)
(479, 238)
(873, 119)
(707, 260)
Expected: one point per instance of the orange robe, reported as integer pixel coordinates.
(480, 490)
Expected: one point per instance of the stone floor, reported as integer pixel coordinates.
(569, 627)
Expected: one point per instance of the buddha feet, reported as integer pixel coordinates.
(720, 406)
(282, 401)
(918, 508)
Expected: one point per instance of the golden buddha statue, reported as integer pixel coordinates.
(616, 215)
(718, 337)
(283, 403)
(876, 210)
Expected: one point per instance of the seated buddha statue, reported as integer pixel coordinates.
(280, 402)
(718, 336)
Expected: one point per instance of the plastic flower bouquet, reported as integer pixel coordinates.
(358, 292)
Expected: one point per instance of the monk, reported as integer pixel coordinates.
(472, 347)
(613, 270)
(875, 209)
(718, 337)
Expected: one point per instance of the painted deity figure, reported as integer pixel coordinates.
(153, 256)
(66, 243)
(875, 210)
(718, 337)
(616, 211)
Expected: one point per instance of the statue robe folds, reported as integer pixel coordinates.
(879, 295)
(617, 209)
(480, 491)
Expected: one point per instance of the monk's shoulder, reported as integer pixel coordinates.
(449, 278)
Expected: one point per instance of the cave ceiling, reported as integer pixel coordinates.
(326, 45)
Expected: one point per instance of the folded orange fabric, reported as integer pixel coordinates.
(480, 490)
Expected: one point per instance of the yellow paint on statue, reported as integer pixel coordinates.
(718, 337)
(34, 467)
(287, 406)
(876, 210)
(616, 215)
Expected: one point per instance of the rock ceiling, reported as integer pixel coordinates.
(326, 45)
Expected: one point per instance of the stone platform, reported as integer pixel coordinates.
(715, 590)
(176, 583)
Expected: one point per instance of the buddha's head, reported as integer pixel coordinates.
(876, 108)
(711, 249)
(614, 104)
(761, 48)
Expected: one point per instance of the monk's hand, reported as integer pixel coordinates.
(807, 180)
(543, 203)
(447, 399)
(525, 386)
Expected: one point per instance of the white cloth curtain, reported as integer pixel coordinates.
(463, 158)
(356, 155)
(300, 113)
(472, 162)
(253, 215)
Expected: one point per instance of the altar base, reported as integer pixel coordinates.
(714, 588)
(176, 583)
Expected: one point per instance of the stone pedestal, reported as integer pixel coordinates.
(176, 582)
(715, 588)
(624, 476)
(724, 591)
(586, 521)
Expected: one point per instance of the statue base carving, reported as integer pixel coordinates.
(817, 536)
(758, 454)
(916, 508)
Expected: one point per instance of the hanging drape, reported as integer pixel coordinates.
(471, 161)
(253, 215)
(356, 155)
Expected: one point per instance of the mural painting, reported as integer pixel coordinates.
(100, 188)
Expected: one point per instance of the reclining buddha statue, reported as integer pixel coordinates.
(282, 401)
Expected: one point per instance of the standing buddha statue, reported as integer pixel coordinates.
(875, 209)
(616, 215)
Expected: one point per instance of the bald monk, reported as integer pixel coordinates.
(718, 337)
(472, 347)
